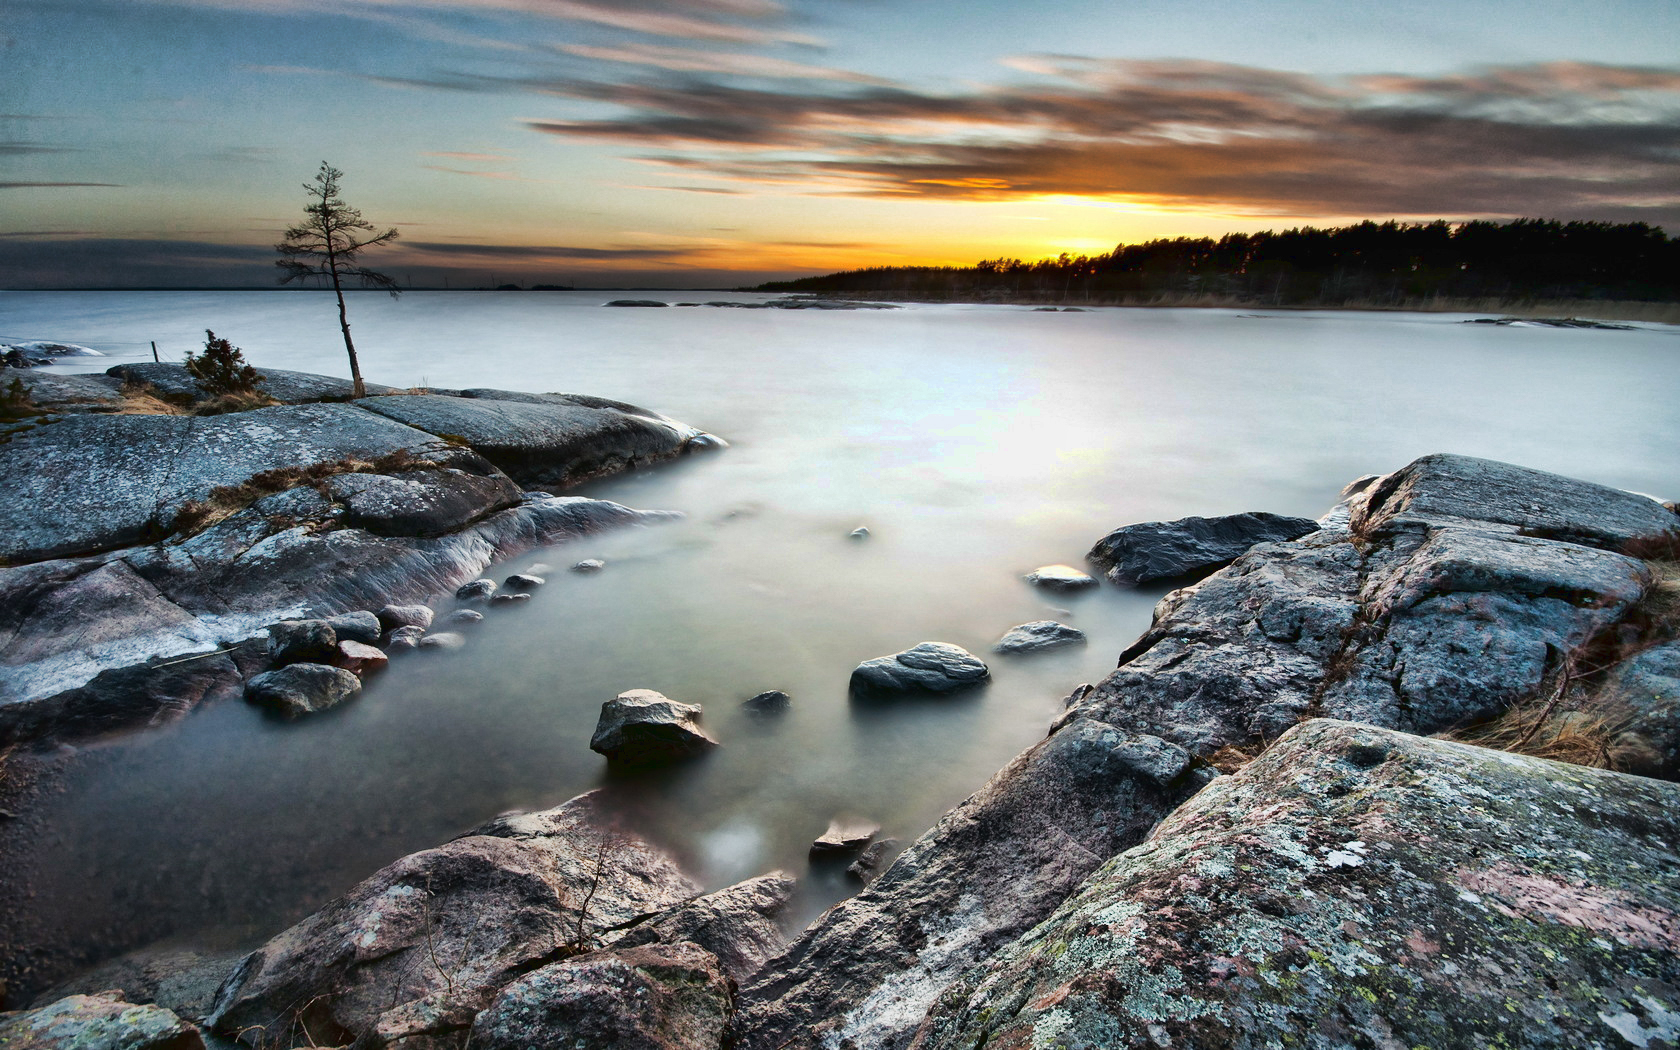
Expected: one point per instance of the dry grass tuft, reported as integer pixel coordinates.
(242, 401)
(1596, 738)
(140, 398)
(194, 516)
(1233, 757)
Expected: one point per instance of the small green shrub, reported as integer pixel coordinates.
(15, 402)
(221, 370)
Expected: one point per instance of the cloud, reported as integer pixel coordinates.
(1568, 139)
(689, 60)
(54, 185)
(539, 252)
(727, 21)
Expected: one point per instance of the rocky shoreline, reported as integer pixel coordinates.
(145, 555)
(1315, 804)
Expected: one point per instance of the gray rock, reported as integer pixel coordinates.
(1644, 696)
(523, 581)
(393, 616)
(509, 599)
(303, 689)
(181, 980)
(91, 483)
(637, 302)
(424, 502)
(76, 393)
(1059, 578)
(990, 870)
(97, 1022)
(291, 388)
(589, 565)
(656, 997)
(359, 626)
(771, 702)
(1164, 550)
(641, 727)
(1446, 490)
(543, 445)
(844, 835)
(1038, 636)
(463, 618)
(1358, 887)
(427, 942)
(446, 641)
(359, 658)
(477, 591)
(302, 641)
(740, 924)
(404, 639)
(46, 351)
(931, 667)
(875, 856)
(859, 533)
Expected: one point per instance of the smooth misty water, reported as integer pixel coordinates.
(975, 442)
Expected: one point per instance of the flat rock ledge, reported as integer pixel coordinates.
(134, 542)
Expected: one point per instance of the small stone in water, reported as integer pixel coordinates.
(509, 599)
(859, 533)
(523, 581)
(845, 835)
(463, 617)
(443, 640)
(403, 639)
(589, 565)
(771, 702)
(476, 591)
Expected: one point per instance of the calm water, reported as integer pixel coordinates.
(975, 442)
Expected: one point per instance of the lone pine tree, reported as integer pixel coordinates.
(326, 245)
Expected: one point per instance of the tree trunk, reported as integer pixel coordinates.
(358, 390)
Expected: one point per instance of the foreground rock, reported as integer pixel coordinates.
(658, 997)
(425, 944)
(1357, 887)
(97, 1022)
(1164, 550)
(1037, 637)
(988, 871)
(642, 727)
(931, 667)
(741, 925)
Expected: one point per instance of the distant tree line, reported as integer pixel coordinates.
(1367, 263)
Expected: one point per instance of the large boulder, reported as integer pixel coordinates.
(97, 1022)
(1422, 629)
(1445, 491)
(424, 944)
(544, 444)
(1359, 887)
(999, 863)
(655, 997)
(740, 924)
(931, 667)
(642, 727)
(291, 388)
(1165, 550)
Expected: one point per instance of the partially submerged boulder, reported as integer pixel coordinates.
(844, 835)
(303, 689)
(642, 727)
(931, 667)
(1359, 887)
(769, 702)
(426, 943)
(1038, 636)
(1162, 550)
(1060, 578)
(655, 997)
(97, 1022)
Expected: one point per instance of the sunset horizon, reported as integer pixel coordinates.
(726, 143)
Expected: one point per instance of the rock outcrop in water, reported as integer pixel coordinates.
(1239, 837)
(132, 541)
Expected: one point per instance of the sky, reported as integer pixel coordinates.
(719, 143)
